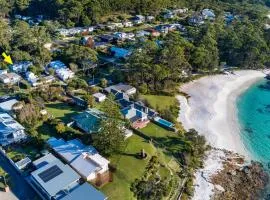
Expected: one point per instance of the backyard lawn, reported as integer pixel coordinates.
(129, 168)
(62, 111)
(159, 101)
(155, 131)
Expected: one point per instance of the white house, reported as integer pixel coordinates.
(180, 11)
(85, 160)
(10, 78)
(127, 24)
(99, 97)
(208, 14)
(120, 87)
(10, 130)
(31, 78)
(150, 18)
(65, 74)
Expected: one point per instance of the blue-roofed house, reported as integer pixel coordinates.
(83, 159)
(21, 67)
(120, 52)
(57, 64)
(89, 120)
(138, 118)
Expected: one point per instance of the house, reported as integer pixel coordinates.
(138, 19)
(21, 67)
(142, 33)
(32, 78)
(85, 160)
(57, 64)
(78, 101)
(89, 121)
(228, 17)
(180, 11)
(6, 104)
(3, 71)
(120, 52)
(208, 14)
(162, 29)
(65, 74)
(168, 15)
(120, 36)
(138, 118)
(10, 130)
(127, 24)
(99, 97)
(150, 18)
(196, 20)
(120, 87)
(111, 27)
(61, 70)
(118, 25)
(88, 41)
(106, 38)
(153, 32)
(10, 78)
(52, 179)
(72, 31)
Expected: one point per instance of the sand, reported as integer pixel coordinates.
(211, 110)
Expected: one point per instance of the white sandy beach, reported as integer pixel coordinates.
(211, 110)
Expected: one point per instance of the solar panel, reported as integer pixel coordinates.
(50, 173)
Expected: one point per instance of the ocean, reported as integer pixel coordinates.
(253, 108)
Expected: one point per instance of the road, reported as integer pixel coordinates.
(19, 188)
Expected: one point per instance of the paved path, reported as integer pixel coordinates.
(19, 188)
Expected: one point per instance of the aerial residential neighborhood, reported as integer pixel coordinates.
(97, 99)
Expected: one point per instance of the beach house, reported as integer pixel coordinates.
(85, 160)
(138, 118)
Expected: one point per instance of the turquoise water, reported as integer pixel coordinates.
(254, 118)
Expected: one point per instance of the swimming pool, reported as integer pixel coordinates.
(164, 122)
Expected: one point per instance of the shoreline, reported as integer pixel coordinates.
(211, 110)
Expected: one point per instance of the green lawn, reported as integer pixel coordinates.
(159, 101)
(62, 111)
(129, 168)
(155, 131)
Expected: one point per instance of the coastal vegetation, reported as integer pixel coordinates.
(156, 67)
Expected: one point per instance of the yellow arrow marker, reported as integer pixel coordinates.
(7, 58)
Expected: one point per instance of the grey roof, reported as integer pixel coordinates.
(6, 106)
(84, 191)
(63, 181)
(49, 158)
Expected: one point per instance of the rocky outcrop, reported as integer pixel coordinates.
(238, 180)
